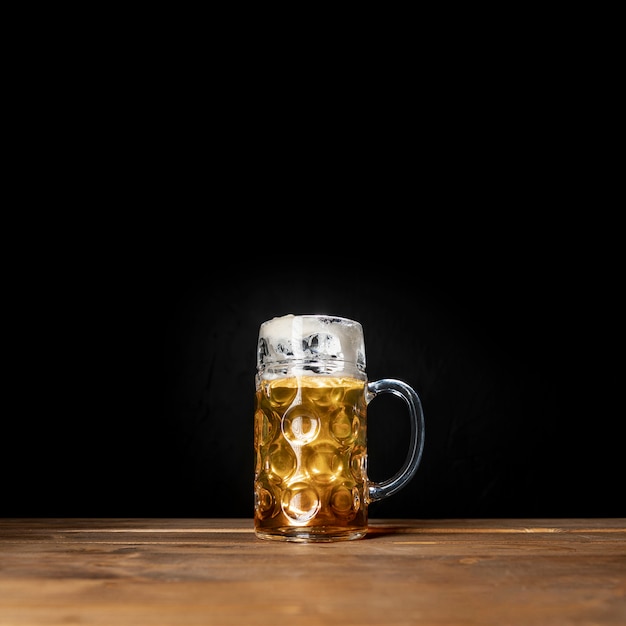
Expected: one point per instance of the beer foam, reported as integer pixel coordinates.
(320, 337)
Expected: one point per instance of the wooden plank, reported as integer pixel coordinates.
(207, 571)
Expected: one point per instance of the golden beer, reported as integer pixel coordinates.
(310, 430)
(310, 477)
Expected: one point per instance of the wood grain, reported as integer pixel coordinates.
(216, 572)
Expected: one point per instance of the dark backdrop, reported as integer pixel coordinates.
(140, 402)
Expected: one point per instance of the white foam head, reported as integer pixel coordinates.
(324, 338)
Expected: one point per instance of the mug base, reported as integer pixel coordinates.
(304, 534)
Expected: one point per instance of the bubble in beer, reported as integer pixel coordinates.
(358, 463)
(301, 502)
(264, 501)
(282, 461)
(264, 429)
(325, 396)
(323, 463)
(300, 425)
(344, 501)
(281, 397)
(343, 426)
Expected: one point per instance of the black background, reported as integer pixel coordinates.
(450, 193)
(139, 402)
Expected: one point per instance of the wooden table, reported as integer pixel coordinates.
(122, 572)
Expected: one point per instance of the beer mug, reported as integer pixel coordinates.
(310, 430)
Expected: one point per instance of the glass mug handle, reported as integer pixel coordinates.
(386, 488)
